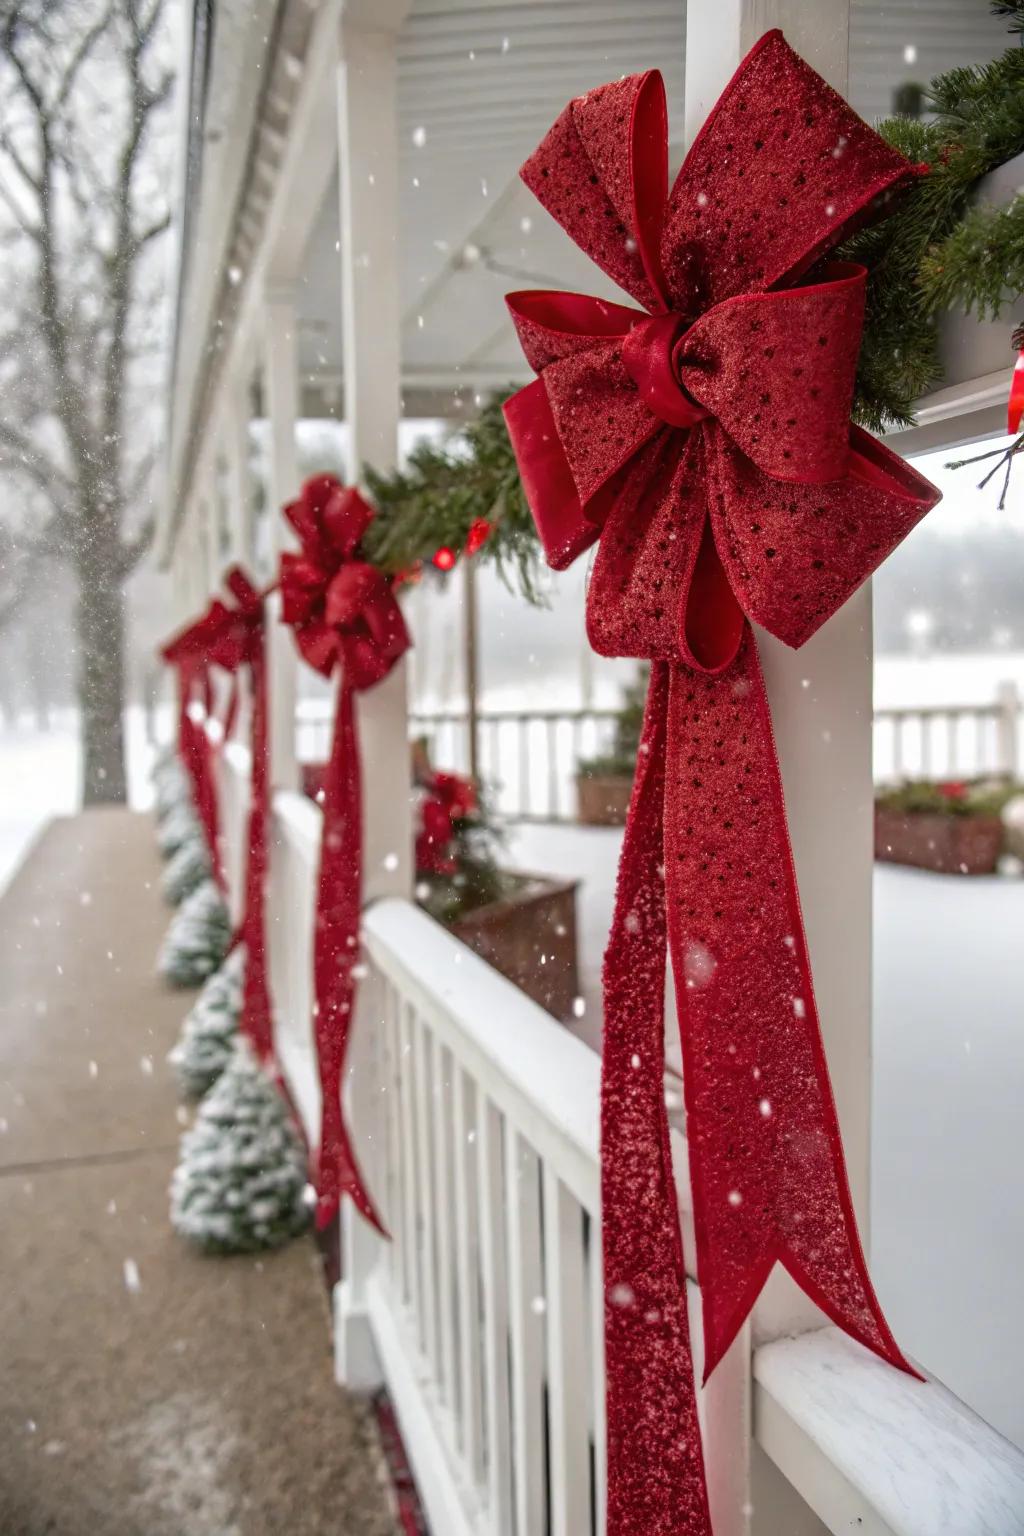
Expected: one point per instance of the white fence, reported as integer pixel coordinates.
(477, 1123)
(528, 759)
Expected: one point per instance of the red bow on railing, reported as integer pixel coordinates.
(344, 615)
(188, 653)
(448, 798)
(707, 444)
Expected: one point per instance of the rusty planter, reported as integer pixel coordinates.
(530, 937)
(947, 845)
(602, 799)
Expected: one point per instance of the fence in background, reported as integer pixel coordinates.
(529, 757)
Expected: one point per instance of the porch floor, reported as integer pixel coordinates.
(147, 1391)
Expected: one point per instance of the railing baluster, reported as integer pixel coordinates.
(567, 1360)
(494, 1273)
(471, 1439)
(552, 746)
(526, 1331)
(397, 1250)
(523, 741)
(425, 1110)
(407, 1072)
(595, 1263)
(446, 1279)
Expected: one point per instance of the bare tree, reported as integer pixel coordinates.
(84, 93)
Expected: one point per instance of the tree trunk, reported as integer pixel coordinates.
(101, 677)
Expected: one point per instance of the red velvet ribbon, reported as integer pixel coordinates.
(1015, 408)
(344, 615)
(232, 637)
(707, 444)
(195, 697)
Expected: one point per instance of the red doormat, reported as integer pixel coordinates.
(411, 1519)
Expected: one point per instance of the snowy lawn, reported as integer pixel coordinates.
(39, 779)
(947, 1238)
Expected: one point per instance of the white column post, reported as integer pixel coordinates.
(371, 326)
(236, 447)
(822, 708)
(1008, 699)
(281, 373)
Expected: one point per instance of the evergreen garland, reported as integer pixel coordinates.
(446, 489)
(932, 253)
(240, 1184)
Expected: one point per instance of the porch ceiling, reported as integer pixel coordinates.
(479, 84)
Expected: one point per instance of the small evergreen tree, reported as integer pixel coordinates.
(176, 828)
(186, 870)
(240, 1185)
(197, 939)
(210, 1029)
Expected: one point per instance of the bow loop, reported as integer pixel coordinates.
(778, 371)
(601, 171)
(782, 170)
(339, 606)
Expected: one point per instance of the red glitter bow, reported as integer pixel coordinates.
(707, 443)
(344, 615)
(449, 798)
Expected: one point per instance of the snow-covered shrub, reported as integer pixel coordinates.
(170, 785)
(186, 870)
(176, 828)
(197, 939)
(240, 1183)
(211, 1025)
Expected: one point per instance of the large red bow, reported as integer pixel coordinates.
(344, 614)
(707, 443)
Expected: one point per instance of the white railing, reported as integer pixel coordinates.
(529, 758)
(949, 741)
(477, 1118)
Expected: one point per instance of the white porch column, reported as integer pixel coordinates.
(821, 707)
(368, 170)
(281, 375)
(236, 449)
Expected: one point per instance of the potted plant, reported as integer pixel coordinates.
(954, 827)
(605, 783)
(522, 924)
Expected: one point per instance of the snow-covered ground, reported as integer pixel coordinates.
(947, 1210)
(40, 778)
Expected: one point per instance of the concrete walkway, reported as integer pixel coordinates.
(144, 1390)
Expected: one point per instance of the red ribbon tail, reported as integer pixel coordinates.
(655, 1461)
(257, 1012)
(336, 945)
(767, 1167)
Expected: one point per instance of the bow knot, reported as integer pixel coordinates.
(342, 609)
